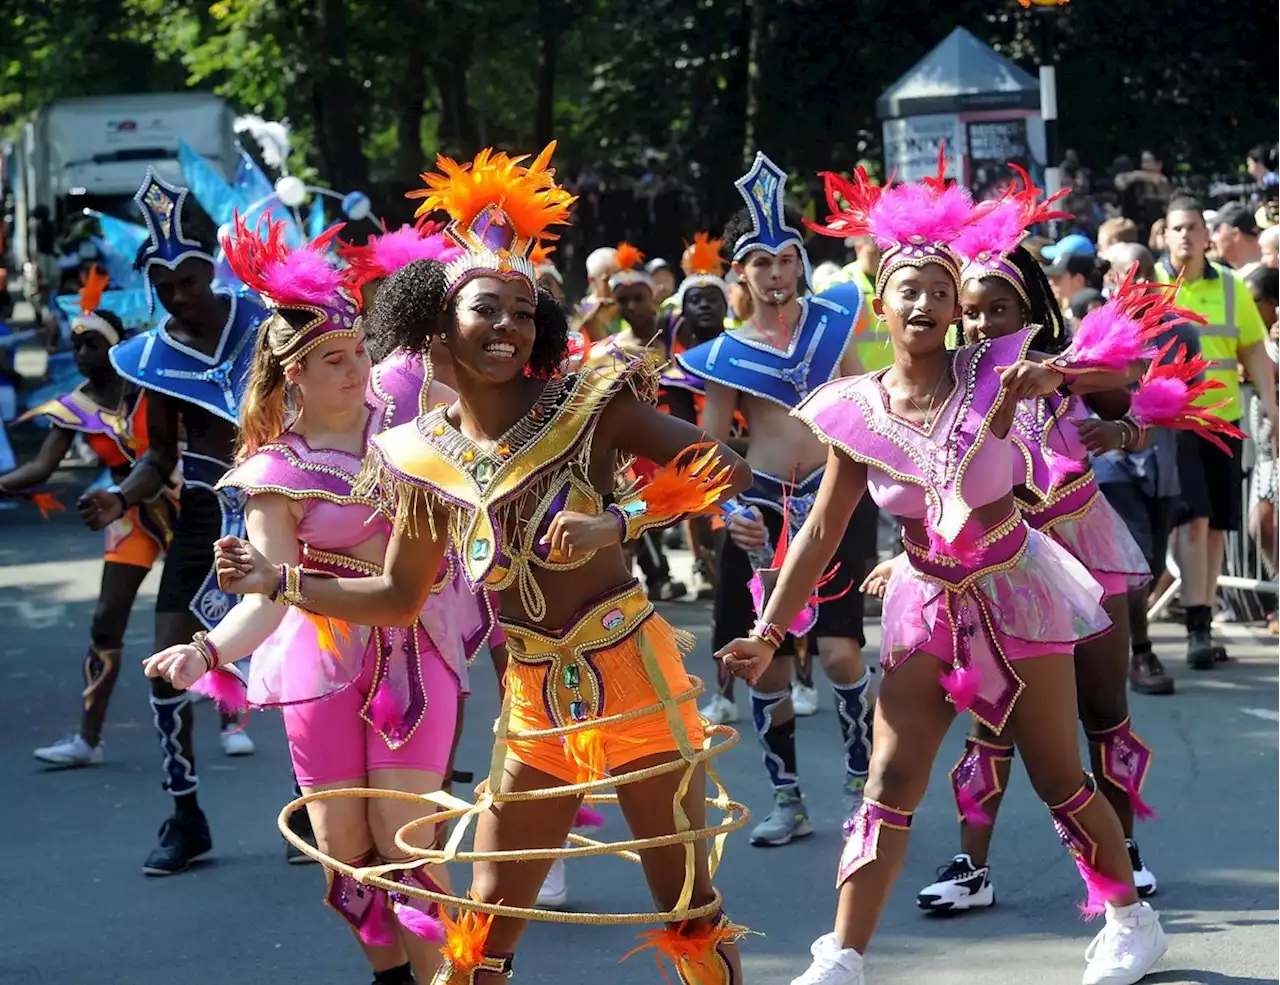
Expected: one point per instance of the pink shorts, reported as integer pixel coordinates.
(330, 743)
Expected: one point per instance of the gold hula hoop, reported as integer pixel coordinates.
(450, 808)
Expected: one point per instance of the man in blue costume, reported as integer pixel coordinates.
(787, 346)
(194, 366)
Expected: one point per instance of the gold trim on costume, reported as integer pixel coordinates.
(497, 496)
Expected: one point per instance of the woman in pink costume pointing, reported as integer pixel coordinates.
(985, 615)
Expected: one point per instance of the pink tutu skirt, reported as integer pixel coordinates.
(1081, 520)
(1018, 595)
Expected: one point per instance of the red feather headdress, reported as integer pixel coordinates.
(998, 229)
(301, 280)
(913, 224)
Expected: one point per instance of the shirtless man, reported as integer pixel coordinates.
(761, 369)
(193, 366)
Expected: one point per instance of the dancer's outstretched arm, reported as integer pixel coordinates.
(393, 598)
(843, 485)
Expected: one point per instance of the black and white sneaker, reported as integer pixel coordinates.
(1144, 880)
(960, 886)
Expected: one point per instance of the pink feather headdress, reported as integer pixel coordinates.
(998, 229)
(913, 224)
(383, 255)
(301, 280)
(1119, 333)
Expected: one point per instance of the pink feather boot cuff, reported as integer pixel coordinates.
(1102, 888)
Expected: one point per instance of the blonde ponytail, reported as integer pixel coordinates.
(262, 412)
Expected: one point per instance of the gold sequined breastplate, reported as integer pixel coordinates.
(501, 498)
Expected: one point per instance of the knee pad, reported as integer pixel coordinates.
(974, 779)
(862, 846)
(364, 907)
(1125, 762)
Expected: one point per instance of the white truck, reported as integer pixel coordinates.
(92, 152)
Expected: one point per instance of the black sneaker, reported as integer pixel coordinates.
(1144, 880)
(299, 824)
(961, 886)
(183, 839)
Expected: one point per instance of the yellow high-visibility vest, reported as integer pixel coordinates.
(1233, 322)
(874, 350)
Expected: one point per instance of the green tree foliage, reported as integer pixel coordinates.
(373, 88)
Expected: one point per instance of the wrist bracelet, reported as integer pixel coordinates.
(617, 513)
(207, 649)
(278, 593)
(291, 590)
(769, 632)
(124, 503)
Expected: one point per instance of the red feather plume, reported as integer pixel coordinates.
(1167, 394)
(286, 277)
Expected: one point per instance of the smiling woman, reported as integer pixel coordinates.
(982, 612)
(521, 474)
(365, 705)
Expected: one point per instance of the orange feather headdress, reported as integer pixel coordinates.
(499, 207)
(630, 267)
(703, 266)
(91, 291)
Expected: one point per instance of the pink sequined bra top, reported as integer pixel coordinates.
(942, 473)
(321, 480)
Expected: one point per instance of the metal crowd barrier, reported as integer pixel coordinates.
(1245, 579)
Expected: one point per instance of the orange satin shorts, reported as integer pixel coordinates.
(139, 540)
(595, 669)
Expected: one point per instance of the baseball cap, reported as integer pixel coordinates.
(1071, 243)
(1072, 263)
(656, 264)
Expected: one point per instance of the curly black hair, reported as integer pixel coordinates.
(196, 225)
(1044, 311)
(410, 308)
(740, 224)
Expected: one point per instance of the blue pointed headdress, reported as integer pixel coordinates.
(161, 206)
(763, 188)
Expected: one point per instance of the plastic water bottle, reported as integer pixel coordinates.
(763, 556)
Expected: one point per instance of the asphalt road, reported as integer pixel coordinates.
(81, 912)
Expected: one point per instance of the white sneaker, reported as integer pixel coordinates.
(832, 964)
(719, 711)
(555, 888)
(1144, 880)
(804, 700)
(236, 742)
(1126, 948)
(960, 886)
(71, 751)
